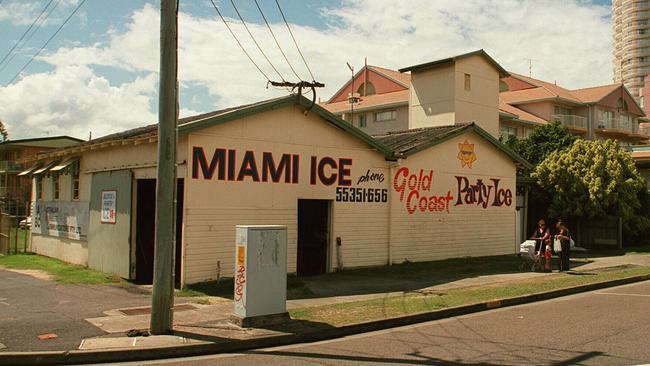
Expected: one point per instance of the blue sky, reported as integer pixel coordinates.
(100, 73)
(97, 18)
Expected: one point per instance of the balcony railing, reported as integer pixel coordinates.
(570, 120)
(616, 124)
(10, 166)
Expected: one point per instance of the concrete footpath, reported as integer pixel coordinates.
(202, 328)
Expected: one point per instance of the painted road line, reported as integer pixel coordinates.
(620, 294)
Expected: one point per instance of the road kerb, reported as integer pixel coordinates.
(141, 354)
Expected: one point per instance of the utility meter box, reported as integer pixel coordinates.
(260, 292)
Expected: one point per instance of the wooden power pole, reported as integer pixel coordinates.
(162, 299)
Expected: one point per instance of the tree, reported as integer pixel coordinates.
(542, 142)
(591, 179)
(4, 135)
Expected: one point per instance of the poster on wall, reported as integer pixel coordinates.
(61, 219)
(109, 205)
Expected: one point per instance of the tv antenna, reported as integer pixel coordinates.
(530, 66)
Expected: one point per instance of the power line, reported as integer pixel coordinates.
(27, 31)
(294, 41)
(29, 37)
(48, 41)
(255, 41)
(239, 43)
(276, 40)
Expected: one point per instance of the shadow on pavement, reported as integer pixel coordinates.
(375, 360)
(424, 360)
(579, 358)
(223, 331)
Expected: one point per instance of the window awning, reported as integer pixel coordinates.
(45, 167)
(64, 164)
(30, 169)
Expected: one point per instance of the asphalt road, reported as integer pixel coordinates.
(30, 307)
(606, 327)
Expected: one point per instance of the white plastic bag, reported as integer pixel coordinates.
(557, 245)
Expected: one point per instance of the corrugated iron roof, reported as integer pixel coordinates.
(204, 120)
(407, 141)
(152, 130)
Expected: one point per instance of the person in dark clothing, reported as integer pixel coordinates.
(564, 236)
(541, 236)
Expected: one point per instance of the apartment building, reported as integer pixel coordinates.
(473, 87)
(601, 112)
(458, 89)
(14, 181)
(631, 35)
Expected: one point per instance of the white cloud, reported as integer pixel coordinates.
(73, 100)
(569, 41)
(20, 12)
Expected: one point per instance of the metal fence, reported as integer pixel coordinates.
(15, 226)
(601, 232)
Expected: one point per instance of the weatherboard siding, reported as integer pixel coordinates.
(466, 230)
(214, 205)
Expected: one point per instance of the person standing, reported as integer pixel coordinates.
(541, 237)
(564, 236)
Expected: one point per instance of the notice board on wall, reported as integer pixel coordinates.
(61, 219)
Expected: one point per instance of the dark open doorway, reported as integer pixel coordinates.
(313, 236)
(145, 230)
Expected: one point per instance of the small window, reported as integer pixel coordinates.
(363, 121)
(563, 111)
(507, 131)
(468, 82)
(56, 185)
(369, 89)
(75, 185)
(39, 188)
(385, 116)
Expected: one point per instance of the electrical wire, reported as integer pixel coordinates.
(255, 41)
(239, 43)
(276, 41)
(48, 41)
(294, 41)
(25, 33)
(38, 26)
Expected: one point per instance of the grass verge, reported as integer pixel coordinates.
(60, 271)
(411, 303)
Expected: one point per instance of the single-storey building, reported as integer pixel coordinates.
(348, 199)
